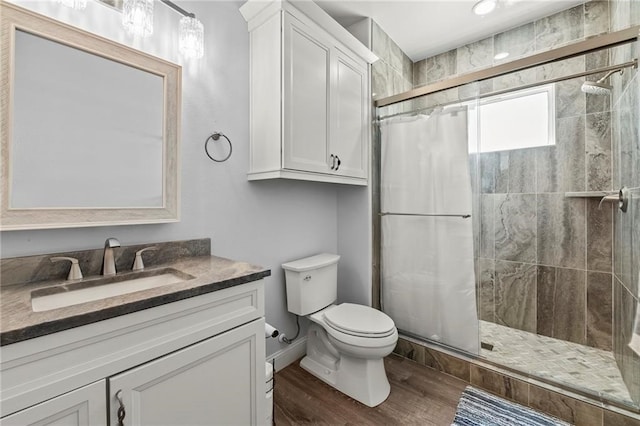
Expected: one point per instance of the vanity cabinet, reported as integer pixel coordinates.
(194, 361)
(211, 382)
(310, 102)
(86, 406)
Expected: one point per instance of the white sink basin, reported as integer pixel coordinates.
(62, 296)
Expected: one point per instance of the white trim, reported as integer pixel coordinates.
(288, 355)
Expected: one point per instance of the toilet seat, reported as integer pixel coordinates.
(359, 321)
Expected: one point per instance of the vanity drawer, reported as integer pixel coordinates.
(41, 368)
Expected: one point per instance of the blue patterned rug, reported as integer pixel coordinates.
(479, 408)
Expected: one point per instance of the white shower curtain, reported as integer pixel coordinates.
(427, 268)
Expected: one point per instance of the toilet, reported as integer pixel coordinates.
(345, 343)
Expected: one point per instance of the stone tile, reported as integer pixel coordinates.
(514, 79)
(489, 162)
(563, 407)
(487, 226)
(420, 73)
(599, 310)
(499, 384)
(441, 66)
(597, 103)
(561, 68)
(474, 56)
(407, 67)
(561, 168)
(486, 279)
(571, 364)
(515, 227)
(447, 364)
(410, 350)
(522, 171)
(560, 28)
(620, 17)
(596, 17)
(515, 295)
(570, 100)
(561, 303)
(598, 151)
(518, 42)
(379, 82)
(380, 43)
(599, 236)
(561, 236)
(614, 419)
(548, 170)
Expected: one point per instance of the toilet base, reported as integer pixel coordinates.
(364, 380)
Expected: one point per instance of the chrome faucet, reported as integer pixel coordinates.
(109, 263)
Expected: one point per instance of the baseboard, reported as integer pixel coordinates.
(288, 355)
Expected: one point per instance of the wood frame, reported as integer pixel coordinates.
(14, 18)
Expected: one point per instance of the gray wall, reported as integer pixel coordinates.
(266, 223)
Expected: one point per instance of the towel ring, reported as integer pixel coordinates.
(216, 136)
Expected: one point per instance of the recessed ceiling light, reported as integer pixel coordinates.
(501, 55)
(484, 7)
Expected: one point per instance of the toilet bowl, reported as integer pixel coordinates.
(346, 343)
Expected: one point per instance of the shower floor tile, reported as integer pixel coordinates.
(576, 365)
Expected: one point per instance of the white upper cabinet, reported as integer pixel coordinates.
(310, 102)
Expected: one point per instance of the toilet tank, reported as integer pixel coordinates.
(312, 283)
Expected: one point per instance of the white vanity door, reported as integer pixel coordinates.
(307, 66)
(217, 381)
(86, 406)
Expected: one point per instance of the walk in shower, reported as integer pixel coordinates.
(500, 232)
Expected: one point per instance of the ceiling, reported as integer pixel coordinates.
(424, 28)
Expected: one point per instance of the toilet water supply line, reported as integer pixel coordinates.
(271, 331)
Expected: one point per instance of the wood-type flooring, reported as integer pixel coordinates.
(419, 396)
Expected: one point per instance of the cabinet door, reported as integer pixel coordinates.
(307, 60)
(86, 406)
(219, 381)
(350, 124)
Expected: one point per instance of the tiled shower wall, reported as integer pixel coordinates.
(546, 262)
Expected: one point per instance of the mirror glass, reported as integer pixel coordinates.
(87, 131)
(90, 133)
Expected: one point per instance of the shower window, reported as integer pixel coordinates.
(517, 120)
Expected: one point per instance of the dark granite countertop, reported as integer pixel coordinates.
(19, 322)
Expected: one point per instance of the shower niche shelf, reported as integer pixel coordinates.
(589, 194)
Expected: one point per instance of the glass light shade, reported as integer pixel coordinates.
(137, 17)
(191, 42)
(74, 4)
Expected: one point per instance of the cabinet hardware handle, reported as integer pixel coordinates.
(339, 162)
(307, 278)
(121, 411)
(333, 161)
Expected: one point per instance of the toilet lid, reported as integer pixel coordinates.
(359, 320)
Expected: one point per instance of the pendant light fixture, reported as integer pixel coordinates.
(191, 36)
(137, 17)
